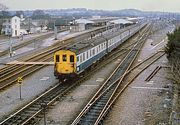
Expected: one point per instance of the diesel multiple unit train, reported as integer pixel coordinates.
(80, 56)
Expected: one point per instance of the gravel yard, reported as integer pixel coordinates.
(143, 103)
(146, 103)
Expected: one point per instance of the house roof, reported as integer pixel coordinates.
(26, 26)
(10, 17)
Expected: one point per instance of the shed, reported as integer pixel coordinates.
(81, 24)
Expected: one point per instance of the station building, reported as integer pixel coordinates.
(80, 25)
(11, 26)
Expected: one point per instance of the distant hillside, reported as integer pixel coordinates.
(132, 12)
(83, 12)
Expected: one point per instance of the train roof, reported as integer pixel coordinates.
(87, 44)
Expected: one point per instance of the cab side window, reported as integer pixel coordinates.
(64, 58)
(71, 58)
(57, 58)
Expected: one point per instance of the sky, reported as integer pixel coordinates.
(152, 5)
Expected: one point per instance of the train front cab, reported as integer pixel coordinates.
(65, 64)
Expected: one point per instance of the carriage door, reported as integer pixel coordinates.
(57, 60)
(72, 61)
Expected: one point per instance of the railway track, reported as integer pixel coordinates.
(153, 73)
(9, 74)
(27, 42)
(32, 112)
(141, 67)
(85, 35)
(93, 111)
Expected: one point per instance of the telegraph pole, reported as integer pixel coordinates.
(10, 45)
(29, 28)
(10, 48)
(55, 30)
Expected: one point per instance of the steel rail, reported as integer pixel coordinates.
(12, 78)
(102, 91)
(153, 73)
(13, 70)
(55, 47)
(7, 71)
(105, 112)
(17, 113)
(5, 122)
(118, 84)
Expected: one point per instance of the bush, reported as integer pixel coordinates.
(173, 42)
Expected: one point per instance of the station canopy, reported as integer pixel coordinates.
(135, 18)
(121, 21)
(84, 21)
(131, 18)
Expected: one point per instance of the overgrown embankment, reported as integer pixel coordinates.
(173, 54)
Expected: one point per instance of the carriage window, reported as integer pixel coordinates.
(78, 59)
(57, 58)
(93, 51)
(64, 58)
(90, 53)
(83, 56)
(71, 58)
(87, 54)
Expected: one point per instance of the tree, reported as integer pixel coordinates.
(39, 14)
(3, 11)
(173, 42)
(173, 52)
(19, 13)
(3, 14)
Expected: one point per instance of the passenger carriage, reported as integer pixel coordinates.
(77, 58)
